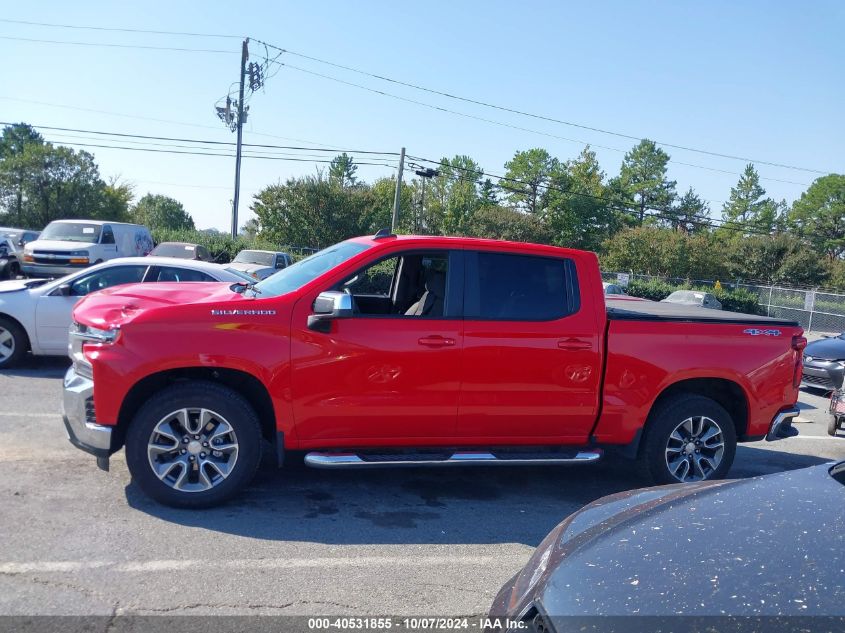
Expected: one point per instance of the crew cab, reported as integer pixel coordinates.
(396, 351)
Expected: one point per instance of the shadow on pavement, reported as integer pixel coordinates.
(479, 505)
(39, 367)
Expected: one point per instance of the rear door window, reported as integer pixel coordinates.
(173, 273)
(509, 287)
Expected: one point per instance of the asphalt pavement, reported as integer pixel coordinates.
(79, 541)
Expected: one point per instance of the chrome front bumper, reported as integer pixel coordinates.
(782, 425)
(80, 417)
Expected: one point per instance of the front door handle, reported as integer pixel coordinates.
(574, 345)
(436, 340)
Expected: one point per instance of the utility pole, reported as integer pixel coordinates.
(244, 58)
(425, 173)
(398, 193)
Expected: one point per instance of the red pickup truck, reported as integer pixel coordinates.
(396, 351)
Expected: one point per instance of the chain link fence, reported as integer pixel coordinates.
(814, 310)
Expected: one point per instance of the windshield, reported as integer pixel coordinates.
(308, 269)
(72, 232)
(255, 257)
(182, 251)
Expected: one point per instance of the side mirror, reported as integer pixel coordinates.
(64, 290)
(329, 306)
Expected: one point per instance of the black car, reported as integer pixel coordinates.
(824, 363)
(761, 547)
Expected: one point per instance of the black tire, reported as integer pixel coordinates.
(832, 425)
(665, 418)
(14, 270)
(18, 344)
(225, 403)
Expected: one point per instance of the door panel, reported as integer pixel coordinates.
(378, 379)
(523, 378)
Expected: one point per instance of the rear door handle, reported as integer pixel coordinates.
(574, 345)
(436, 340)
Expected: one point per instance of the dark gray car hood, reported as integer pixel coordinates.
(826, 348)
(770, 545)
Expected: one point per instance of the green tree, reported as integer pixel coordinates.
(342, 171)
(665, 252)
(162, 212)
(308, 211)
(13, 142)
(819, 215)
(507, 224)
(62, 183)
(748, 211)
(643, 181)
(691, 214)
(579, 213)
(453, 195)
(488, 193)
(527, 176)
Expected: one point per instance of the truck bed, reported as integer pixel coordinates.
(631, 310)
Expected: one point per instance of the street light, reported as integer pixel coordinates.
(425, 173)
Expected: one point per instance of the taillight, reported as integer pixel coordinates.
(798, 344)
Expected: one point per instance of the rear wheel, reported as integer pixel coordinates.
(13, 343)
(194, 445)
(688, 438)
(832, 425)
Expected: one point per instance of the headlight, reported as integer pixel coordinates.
(79, 257)
(94, 334)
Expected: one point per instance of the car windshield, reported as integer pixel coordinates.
(308, 269)
(72, 232)
(182, 251)
(255, 257)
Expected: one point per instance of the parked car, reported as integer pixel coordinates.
(613, 289)
(12, 242)
(65, 246)
(35, 314)
(182, 250)
(824, 363)
(261, 264)
(694, 298)
(837, 413)
(766, 546)
(421, 351)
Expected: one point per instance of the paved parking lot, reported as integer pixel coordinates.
(76, 540)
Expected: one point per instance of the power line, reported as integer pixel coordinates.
(151, 119)
(502, 123)
(541, 117)
(106, 45)
(204, 141)
(119, 30)
(222, 154)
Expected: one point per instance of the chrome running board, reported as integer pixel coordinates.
(329, 459)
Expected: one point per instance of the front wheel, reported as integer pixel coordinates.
(13, 343)
(688, 438)
(832, 425)
(194, 445)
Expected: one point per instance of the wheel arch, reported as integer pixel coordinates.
(727, 393)
(246, 384)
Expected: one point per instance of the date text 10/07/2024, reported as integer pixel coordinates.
(414, 624)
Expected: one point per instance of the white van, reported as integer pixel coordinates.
(68, 245)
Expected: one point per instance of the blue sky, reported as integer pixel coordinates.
(752, 79)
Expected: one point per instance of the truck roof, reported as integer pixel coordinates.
(468, 242)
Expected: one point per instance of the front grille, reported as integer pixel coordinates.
(90, 412)
(820, 381)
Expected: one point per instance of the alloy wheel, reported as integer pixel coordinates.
(694, 449)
